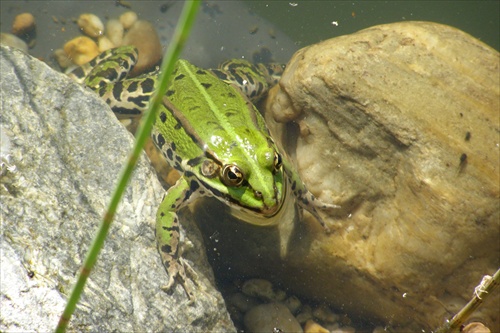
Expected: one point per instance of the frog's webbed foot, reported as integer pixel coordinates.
(309, 202)
(176, 270)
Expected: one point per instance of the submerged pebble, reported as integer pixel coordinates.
(345, 329)
(476, 327)
(143, 36)
(270, 318)
(293, 304)
(81, 50)
(263, 289)
(114, 31)
(23, 24)
(313, 327)
(13, 41)
(91, 25)
(242, 302)
(62, 59)
(324, 314)
(104, 44)
(128, 19)
(305, 314)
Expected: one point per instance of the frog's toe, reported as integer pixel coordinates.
(176, 273)
(327, 206)
(168, 286)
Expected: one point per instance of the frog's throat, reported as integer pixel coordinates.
(285, 207)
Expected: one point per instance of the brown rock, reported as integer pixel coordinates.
(128, 19)
(143, 36)
(400, 127)
(23, 24)
(403, 133)
(313, 327)
(81, 50)
(476, 328)
(91, 25)
(114, 31)
(269, 318)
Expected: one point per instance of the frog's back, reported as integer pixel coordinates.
(203, 110)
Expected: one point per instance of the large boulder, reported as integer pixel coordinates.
(62, 150)
(398, 124)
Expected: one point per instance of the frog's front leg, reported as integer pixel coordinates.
(168, 233)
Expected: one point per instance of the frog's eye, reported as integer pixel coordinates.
(209, 168)
(278, 162)
(232, 175)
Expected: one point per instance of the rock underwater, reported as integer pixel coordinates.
(62, 151)
(398, 124)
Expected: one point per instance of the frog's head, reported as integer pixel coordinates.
(256, 186)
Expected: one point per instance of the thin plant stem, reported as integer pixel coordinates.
(181, 34)
(481, 292)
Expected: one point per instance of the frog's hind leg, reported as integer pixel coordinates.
(111, 66)
(168, 237)
(123, 55)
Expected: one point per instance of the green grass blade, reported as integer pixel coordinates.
(181, 34)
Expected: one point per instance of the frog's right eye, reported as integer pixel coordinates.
(232, 175)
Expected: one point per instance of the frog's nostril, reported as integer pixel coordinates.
(258, 194)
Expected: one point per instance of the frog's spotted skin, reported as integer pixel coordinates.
(253, 80)
(208, 130)
(95, 76)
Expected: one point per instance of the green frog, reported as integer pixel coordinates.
(210, 131)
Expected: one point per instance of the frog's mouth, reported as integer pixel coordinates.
(269, 216)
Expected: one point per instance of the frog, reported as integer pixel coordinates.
(209, 129)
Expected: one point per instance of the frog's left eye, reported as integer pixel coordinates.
(232, 175)
(278, 162)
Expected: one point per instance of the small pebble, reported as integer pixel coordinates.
(332, 327)
(91, 25)
(13, 41)
(114, 31)
(305, 314)
(313, 327)
(476, 327)
(271, 318)
(143, 36)
(263, 289)
(344, 329)
(128, 19)
(23, 24)
(62, 58)
(104, 44)
(323, 313)
(293, 304)
(81, 50)
(242, 302)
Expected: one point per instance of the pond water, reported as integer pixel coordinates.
(255, 30)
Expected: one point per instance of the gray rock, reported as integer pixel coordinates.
(271, 318)
(62, 151)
